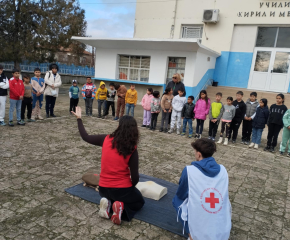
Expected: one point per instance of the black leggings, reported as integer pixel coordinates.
(273, 132)
(225, 126)
(49, 104)
(154, 117)
(131, 197)
(26, 103)
(73, 104)
(199, 126)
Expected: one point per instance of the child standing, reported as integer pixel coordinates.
(38, 86)
(101, 96)
(259, 122)
(251, 107)
(187, 115)
(228, 115)
(111, 94)
(215, 113)
(275, 122)
(177, 105)
(201, 110)
(239, 115)
(166, 105)
(121, 93)
(16, 96)
(131, 100)
(285, 134)
(4, 85)
(27, 99)
(146, 104)
(74, 96)
(155, 109)
(88, 92)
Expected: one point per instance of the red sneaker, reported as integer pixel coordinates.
(105, 206)
(118, 208)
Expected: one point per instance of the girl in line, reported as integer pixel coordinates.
(201, 110)
(166, 105)
(275, 122)
(146, 104)
(259, 122)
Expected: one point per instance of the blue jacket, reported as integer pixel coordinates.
(261, 117)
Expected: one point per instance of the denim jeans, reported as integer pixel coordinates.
(189, 121)
(128, 107)
(15, 104)
(256, 135)
(100, 104)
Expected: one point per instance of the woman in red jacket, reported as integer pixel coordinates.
(119, 169)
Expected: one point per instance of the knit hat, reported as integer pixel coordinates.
(74, 81)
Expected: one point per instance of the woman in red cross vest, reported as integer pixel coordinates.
(119, 169)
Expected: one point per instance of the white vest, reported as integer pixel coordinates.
(208, 208)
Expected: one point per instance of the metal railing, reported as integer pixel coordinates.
(63, 68)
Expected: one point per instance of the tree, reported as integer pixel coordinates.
(35, 29)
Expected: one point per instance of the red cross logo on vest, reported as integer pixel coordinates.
(212, 200)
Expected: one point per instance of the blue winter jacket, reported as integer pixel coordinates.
(261, 118)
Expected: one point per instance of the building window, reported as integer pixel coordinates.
(135, 68)
(273, 37)
(175, 65)
(192, 32)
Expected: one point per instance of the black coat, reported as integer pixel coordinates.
(240, 111)
(187, 111)
(3, 78)
(261, 117)
(175, 87)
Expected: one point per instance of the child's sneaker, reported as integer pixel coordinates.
(242, 142)
(116, 118)
(272, 149)
(144, 126)
(256, 146)
(170, 130)
(213, 139)
(196, 136)
(148, 126)
(209, 137)
(177, 132)
(30, 120)
(199, 136)
(118, 208)
(226, 142)
(251, 145)
(2, 123)
(267, 148)
(281, 153)
(183, 133)
(161, 130)
(10, 123)
(233, 141)
(246, 143)
(190, 136)
(288, 154)
(220, 140)
(105, 206)
(21, 122)
(39, 117)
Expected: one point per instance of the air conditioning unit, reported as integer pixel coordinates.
(210, 15)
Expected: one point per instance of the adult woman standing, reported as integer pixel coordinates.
(53, 82)
(176, 84)
(119, 169)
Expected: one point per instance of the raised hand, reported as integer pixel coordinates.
(78, 112)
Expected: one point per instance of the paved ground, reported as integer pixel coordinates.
(38, 161)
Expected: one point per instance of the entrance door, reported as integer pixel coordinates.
(270, 70)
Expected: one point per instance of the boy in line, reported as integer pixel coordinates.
(27, 99)
(38, 86)
(251, 108)
(203, 192)
(215, 113)
(111, 94)
(88, 92)
(121, 93)
(4, 85)
(187, 115)
(177, 105)
(16, 96)
(74, 96)
(239, 116)
(131, 99)
(101, 96)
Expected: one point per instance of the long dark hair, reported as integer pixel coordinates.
(206, 98)
(126, 136)
(265, 101)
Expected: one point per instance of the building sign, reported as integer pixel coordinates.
(276, 9)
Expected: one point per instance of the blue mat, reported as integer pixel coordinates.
(159, 213)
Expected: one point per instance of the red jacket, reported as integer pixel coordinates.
(16, 88)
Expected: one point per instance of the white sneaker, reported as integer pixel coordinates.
(220, 140)
(40, 117)
(251, 145)
(256, 146)
(226, 141)
(177, 132)
(105, 206)
(33, 118)
(199, 136)
(170, 130)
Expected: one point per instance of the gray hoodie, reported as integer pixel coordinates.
(178, 103)
(229, 112)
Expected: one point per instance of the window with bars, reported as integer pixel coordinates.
(135, 68)
(192, 32)
(175, 65)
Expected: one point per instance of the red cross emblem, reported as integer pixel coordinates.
(212, 200)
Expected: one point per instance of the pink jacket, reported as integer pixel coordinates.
(146, 102)
(201, 109)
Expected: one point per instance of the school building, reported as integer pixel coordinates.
(235, 43)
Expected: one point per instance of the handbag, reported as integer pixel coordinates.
(91, 180)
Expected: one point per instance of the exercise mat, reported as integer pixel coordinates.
(159, 213)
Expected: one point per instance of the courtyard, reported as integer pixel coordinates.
(38, 161)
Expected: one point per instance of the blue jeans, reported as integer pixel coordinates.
(15, 104)
(35, 99)
(189, 121)
(128, 107)
(257, 135)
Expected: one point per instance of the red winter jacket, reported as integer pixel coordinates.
(16, 88)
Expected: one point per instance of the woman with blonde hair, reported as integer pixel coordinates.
(176, 84)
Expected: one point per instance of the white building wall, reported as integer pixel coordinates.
(107, 63)
(244, 38)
